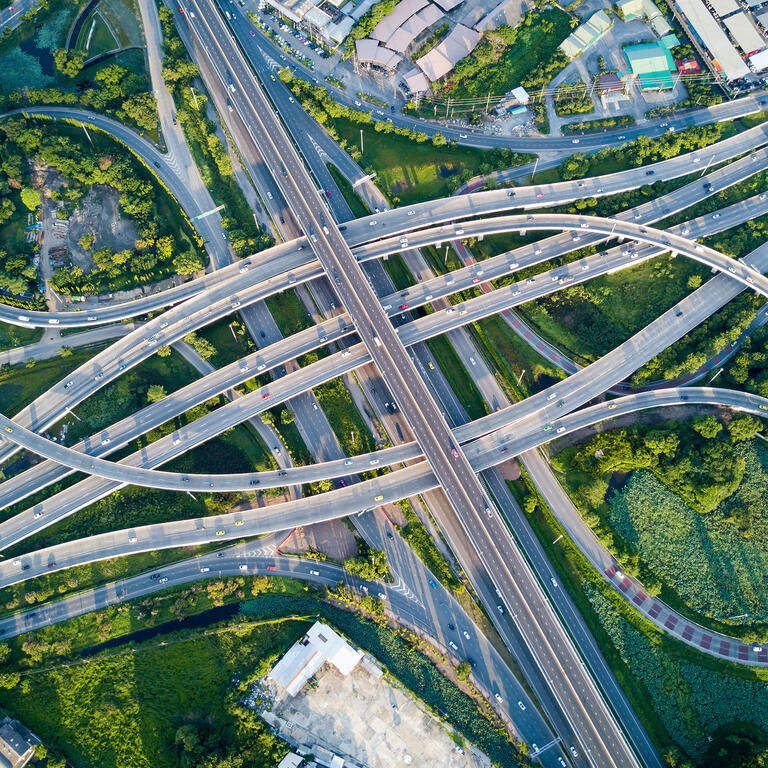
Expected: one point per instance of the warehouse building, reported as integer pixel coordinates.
(707, 32)
(745, 32)
(586, 34)
(645, 9)
(651, 65)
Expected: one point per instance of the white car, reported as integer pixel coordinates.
(521, 705)
(466, 634)
(498, 698)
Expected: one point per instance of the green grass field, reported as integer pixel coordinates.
(124, 710)
(714, 568)
(409, 172)
(458, 377)
(21, 385)
(12, 336)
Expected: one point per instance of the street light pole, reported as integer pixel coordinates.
(361, 141)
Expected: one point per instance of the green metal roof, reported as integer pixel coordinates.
(648, 58)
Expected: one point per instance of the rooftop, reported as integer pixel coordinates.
(321, 644)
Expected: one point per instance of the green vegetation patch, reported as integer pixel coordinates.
(162, 705)
(21, 384)
(347, 423)
(410, 166)
(506, 55)
(682, 696)
(691, 517)
(419, 539)
(17, 336)
(458, 377)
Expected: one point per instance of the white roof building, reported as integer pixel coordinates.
(320, 645)
(724, 7)
(759, 61)
(743, 30)
(723, 52)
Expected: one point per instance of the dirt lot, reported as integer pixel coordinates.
(370, 723)
(99, 215)
(332, 538)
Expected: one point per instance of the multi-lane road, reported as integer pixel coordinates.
(589, 717)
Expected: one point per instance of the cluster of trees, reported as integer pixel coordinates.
(695, 460)
(18, 275)
(644, 150)
(749, 369)
(537, 80)
(115, 90)
(573, 99)
(156, 253)
(712, 336)
(179, 73)
(603, 123)
(370, 564)
(507, 55)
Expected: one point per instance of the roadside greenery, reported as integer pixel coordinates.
(170, 704)
(682, 696)
(348, 425)
(573, 99)
(370, 564)
(181, 75)
(644, 150)
(420, 541)
(695, 507)
(601, 124)
(410, 166)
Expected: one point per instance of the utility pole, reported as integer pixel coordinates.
(361, 141)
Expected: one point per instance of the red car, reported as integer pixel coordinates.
(403, 306)
(539, 194)
(455, 453)
(265, 396)
(271, 567)
(328, 192)
(251, 33)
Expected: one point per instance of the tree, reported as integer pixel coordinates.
(31, 198)
(7, 209)
(65, 352)
(268, 418)
(707, 426)
(744, 428)
(69, 63)
(164, 351)
(187, 262)
(463, 670)
(155, 392)
(140, 109)
(86, 241)
(287, 416)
